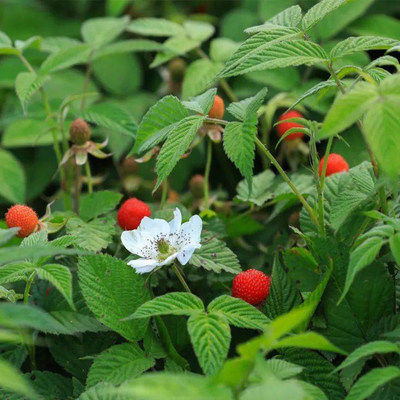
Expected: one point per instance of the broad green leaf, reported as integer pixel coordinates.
(202, 103)
(210, 336)
(5, 41)
(102, 391)
(381, 25)
(7, 234)
(277, 367)
(176, 145)
(371, 381)
(34, 42)
(128, 46)
(57, 43)
(98, 203)
(155, 27)
(26, 85)
(65, 58)
(199, 76)
(215, 256)
(395, 247)
(238, 312)
(368, 350)
(363, 43)
(321, 86)
(261, 190)
(158, 123)
(319, 11)
(77, 321)
(175, 303)
(113, 291)
(100, 31)
(12, 178)
(222, 48)
(198, 30)
(247, 108)
(94, 235)
(290, 17)
(118, 364)
(348, 108)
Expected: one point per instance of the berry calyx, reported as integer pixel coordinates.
(131, 213)
(79, 132)
(22, 217)
(196, 186)
(251, 286)
(336, 163)
(283, 127)
(218, 108)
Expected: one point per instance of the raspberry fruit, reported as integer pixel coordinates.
(79, 132)
(131, 213)
(283, 127)
(196, 186)
(251, 286)
(22, 217)
(336, 163)
(218, 108)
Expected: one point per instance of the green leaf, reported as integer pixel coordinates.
(65, 58)
(247, 109)
(222, 48)
(94, 235)
(9, 295)
(202, 103)
(199, 76)
(348, 108)
(7, 234)
(158, 123)
(395, 247)
(100, 31)
(155, 27)
(238, 312)
(290, 17)
(128, 46)
(198, 30)
(319, 11)
(102, 391)
(113, 291)
(353, 45)
(210, 336)
(118, 364)
(382, 25)
(98, 203)
(174, 148)
(368, 350)
(261, 189)
(175, 303)
(215, 256)
(26, 85)
(12, 178)
(371, 381)
(276, 366)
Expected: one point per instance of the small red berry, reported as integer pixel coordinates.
(24, 218)
(285, 126)
(336, 163)
(218, 108)
(131, 213)
(251, 286)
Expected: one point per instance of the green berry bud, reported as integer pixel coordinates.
(79, 131)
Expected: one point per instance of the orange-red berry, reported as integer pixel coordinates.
(336, 163)
(22, 217)
(131, 213)
(218, 108)
(251, 286)
(283, 127)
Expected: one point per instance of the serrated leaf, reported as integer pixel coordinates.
(100, 31)
(158, 122)
(247, 108)
(94, 235)
(222, 48)
(395, 247)
(113, 291)
(26, 85)
(174, 148)
(155, 27)
(12, 178)
(118, 364)
(319, 11)
(238, 312)
(215, 256)
(128, 46)
(77, 321)
(210, 336)
(362, 43)
(261, 189)
(314, 90)
(202, 103)
(371, 381)
(175, 303)
(98, 203)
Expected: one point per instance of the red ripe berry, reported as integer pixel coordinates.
(336, 163)
(251, 286)
(218, 108)
(285, 126)
(24, 218)
(131, 213)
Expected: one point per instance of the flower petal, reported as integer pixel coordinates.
(139, 242)
(190, 232)
(169, 260)
(175, 224)
(186, 253)
(154, 227)
(142, 265)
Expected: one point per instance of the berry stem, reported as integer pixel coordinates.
(164, 194)
(178, 273)
(207, 174)
(89, 177)
(28, 287)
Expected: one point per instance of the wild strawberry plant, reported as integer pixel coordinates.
(225, 228)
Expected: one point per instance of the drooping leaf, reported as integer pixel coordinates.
(98, 203)
(12, 178)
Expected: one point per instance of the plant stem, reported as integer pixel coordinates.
(164, 194)
(89, 177)
(87, 80)
(28, 287)
(178, 273)
(287, 180)
(326, 155)
(77, 186)
(207, 174)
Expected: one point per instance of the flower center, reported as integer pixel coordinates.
(164, 250)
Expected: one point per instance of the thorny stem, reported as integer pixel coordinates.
(207, 174)
(176, 268)
(89, 177)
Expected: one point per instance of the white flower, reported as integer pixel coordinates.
(159, 242)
